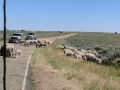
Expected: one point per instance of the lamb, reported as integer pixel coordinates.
(18, 53)
(68, 52)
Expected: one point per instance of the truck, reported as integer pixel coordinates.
(16, 37)
(31, 35)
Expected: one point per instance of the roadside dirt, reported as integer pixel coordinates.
(44, 77)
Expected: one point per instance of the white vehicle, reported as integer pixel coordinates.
(31, 35)
(16, 37)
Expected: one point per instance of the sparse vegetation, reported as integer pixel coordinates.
(106, 44)
(90, 76)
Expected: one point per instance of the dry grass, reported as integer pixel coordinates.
(90, 76)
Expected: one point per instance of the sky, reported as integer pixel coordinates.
(62, 15)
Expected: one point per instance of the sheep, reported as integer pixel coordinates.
(38, 45)
(22, 41)
(94, 52)
(77, 56)
(92, 57)
(46, 41)
(18, 53)
(98, 60)
(34, 42)
(68, 52)
(82, 54)
(84, 51)
(26, 44)
(59, 47)
(29, 41)
(42, 41)
(50, 42)
(44, 44)
(9, 49)
(41, 44)
(66, 47)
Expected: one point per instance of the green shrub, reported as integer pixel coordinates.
(105, 61)
(106, 44)
(116, 62)
(117, 53)
(97, 47)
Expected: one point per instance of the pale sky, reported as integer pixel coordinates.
(62, 15)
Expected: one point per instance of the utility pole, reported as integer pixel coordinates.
(4, 56)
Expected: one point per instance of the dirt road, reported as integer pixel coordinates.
(16, 69)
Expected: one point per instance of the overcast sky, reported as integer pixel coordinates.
(64, 15)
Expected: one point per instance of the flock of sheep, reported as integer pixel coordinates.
(10, 48)
(81, 54)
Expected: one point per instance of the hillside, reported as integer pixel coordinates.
(77, 73)
(106, 44)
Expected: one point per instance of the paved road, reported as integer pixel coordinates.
(15, 71)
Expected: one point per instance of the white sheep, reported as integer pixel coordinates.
(94, 52)
(84, 51)
(59, 47)
(9, 49)
(92, 57)
(82, 54)
(22, 41)
(68, 52)
(18, 53)
(77, 56)
(50, 42)
(98, 60)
